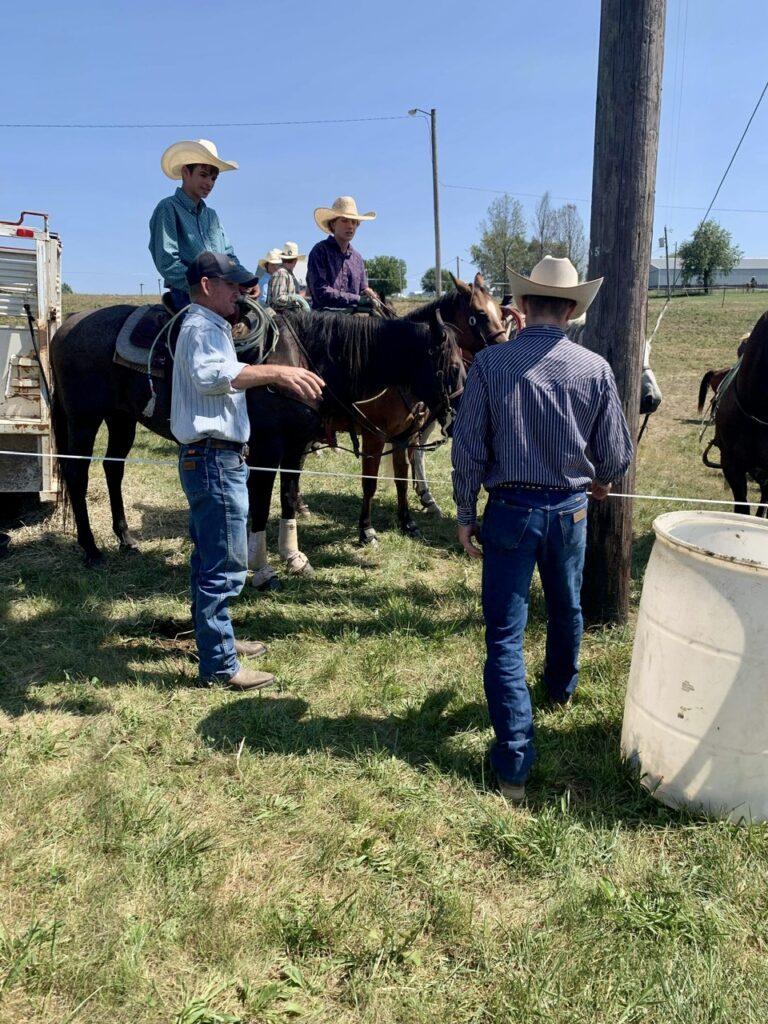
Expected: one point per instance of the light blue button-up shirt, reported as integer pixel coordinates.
(204, 403)
(179, 230)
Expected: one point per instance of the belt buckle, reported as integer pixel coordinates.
(246, 451)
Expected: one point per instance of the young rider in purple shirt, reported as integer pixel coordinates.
(336, 275)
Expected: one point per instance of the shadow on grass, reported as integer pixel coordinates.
(59, 626)
(420, 736)
(581, 760)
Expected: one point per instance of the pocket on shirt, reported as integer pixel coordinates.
(505, 526)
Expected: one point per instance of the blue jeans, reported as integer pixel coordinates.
(214, 481)
(522, 529)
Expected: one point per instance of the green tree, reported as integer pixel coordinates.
(502, 244)
(428, 281)
(708, 253)
(569, 237)
(545, 223)
(386, 275)
(66, 289)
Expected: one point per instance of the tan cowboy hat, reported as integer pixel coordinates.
(557, 279)
(273, 256)
(197, 151)
(344, 206)
(291, 252)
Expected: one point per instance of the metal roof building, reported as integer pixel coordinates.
(739, 277)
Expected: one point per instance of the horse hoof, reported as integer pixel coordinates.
(298, 565)
(412, 531)
(95, 561)
(303, 512)
(368, 538)
(433, 509)
(129, 549)
(265, 579)
(270, 586)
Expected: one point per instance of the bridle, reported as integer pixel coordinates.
(485, 339)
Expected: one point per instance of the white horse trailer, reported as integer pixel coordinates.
(30, 312)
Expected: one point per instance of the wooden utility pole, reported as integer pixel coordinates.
(623, 183)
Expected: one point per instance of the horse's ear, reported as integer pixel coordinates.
(461, 286)
(480, 283)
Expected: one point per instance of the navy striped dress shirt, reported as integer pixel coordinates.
(537, 410)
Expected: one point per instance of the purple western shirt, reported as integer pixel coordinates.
(335, 278)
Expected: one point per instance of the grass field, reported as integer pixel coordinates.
(336, 851)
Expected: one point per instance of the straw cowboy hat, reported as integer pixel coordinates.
(273, 256)
(557, 279)
(344, 206)
(291, 252)
(196, 151)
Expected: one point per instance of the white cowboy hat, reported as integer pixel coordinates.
(291, 252)
(344, 206)
(196, 151)
(557, 279)
(273, 256)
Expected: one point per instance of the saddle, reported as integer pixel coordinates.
(142, 343)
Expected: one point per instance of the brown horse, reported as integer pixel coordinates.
(712, 379)
(741, 423)
(476, 318)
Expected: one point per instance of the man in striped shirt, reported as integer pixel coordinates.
(540, 421)
(209, 419)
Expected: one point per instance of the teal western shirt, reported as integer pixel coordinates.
(179, 230)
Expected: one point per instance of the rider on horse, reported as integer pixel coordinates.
(336, 274)
(182, 225)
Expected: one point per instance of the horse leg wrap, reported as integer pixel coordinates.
(288, 546)
(429, 503)
(263, 573)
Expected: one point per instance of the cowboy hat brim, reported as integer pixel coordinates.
(582, 294)
(323, 214)
(190, 152)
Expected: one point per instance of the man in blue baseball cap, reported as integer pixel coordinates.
(209, 419)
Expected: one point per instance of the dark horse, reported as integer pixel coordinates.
(741, 423)
(477, 320)
(356, 358)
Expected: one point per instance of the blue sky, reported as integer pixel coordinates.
(513, 85)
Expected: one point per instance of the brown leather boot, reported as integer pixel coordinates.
(250, 648)
(250, 679)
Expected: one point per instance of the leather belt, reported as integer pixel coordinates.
(218, 442)
(516, 485)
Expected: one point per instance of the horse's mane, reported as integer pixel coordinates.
(426, 313)
(354, 342)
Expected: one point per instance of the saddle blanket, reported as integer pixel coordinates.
(143, 335)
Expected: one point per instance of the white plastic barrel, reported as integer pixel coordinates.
(696, 712)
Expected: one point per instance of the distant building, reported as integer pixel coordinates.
(739, 277)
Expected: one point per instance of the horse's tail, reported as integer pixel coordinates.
(60, 430)
(703, 388)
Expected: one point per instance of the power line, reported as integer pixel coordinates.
(217, 124)
(738, 147)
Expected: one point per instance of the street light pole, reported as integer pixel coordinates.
(432, 115)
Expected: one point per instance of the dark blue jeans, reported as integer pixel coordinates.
(522, 529)
(214, 481)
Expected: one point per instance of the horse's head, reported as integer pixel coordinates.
(477, 316)
(438, 378)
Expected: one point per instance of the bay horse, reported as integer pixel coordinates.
(477, 320)
(741, 423)
(356, 359)
(712, 379)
